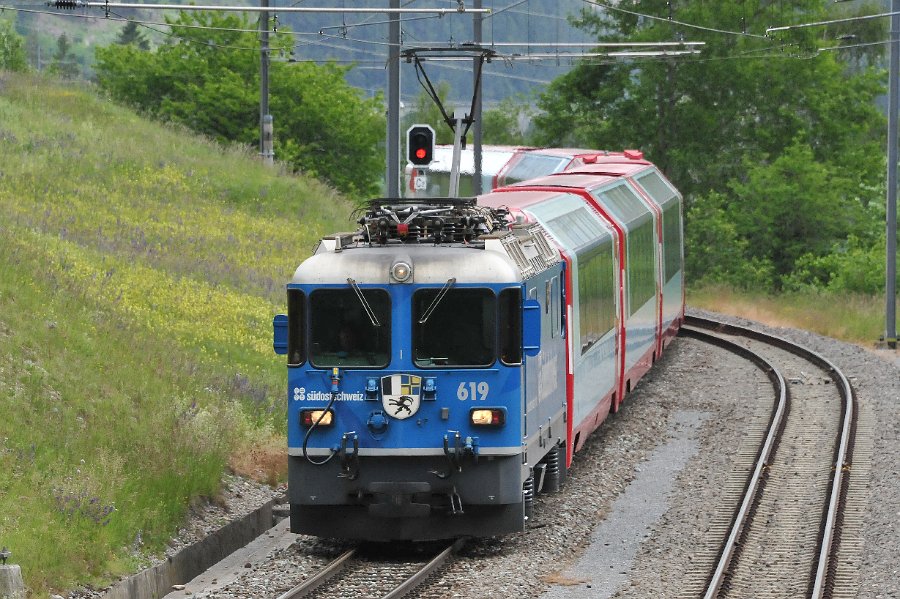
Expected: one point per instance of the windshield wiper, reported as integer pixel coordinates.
(434, 304)
(369, 312)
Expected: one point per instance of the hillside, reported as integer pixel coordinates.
(140, 268)
(359, 40)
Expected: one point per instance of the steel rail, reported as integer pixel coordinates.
(419, 577)
(406, 587)
(755, 480)
(823, 578)
(311, 584)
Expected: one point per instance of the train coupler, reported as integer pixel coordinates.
(349, 456)
(397, 499)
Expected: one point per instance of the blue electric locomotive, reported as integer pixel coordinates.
(426, 374)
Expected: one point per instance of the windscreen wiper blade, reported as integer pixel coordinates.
(434, 304)
(362, 299)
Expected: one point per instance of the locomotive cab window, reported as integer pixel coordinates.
(350, 330)
(454, 327)
(296, 325)
(511, 326)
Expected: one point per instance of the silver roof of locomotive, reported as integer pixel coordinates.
(507, 257)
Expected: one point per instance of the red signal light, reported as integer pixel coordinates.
(420, 145)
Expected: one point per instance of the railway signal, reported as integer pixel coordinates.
(420, 145)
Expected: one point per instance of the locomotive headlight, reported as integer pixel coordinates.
(309, 418)
(401, 272)
(488, 417)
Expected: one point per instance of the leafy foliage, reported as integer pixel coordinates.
(425, 111)
(501, 124)
(208, 79)
(12, 48)
(772, 140)
(852, 266)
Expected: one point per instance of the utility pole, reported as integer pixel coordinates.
(266, 127)
(890, 329)
(476, 111)
(392, 170)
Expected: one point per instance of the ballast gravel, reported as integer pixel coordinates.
(630, 519)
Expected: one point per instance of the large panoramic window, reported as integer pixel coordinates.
(596, 293)
(641, 265)
(350, 328)
(531, 166)
(454, 327)
(672, 240)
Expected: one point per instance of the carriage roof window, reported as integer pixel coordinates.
(343, 331)
(460, 328)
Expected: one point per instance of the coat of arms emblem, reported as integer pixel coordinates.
(401, 395)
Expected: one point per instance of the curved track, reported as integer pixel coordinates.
(785, 533)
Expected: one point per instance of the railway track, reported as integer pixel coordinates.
(789, 489)
(358, 573)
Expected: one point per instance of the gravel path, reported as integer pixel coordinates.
(630, 520)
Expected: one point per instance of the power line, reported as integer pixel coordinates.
(368, 23)
(832, 22)
(534, 58)
(670, 21)
(72, 4)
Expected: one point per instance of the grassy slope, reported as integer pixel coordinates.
(139, 271)
(853, 318)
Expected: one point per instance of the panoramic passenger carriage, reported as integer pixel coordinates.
(617, 222)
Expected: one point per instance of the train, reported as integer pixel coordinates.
(447, 359)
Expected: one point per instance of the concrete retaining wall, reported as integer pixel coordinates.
(157, 581)
(11, 584)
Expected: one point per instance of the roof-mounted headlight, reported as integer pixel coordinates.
(401, 272)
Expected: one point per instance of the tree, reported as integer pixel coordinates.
(130, 35)
(64, 63)
(208, 79)
(501, 124)
(733, 122)
(425, 111)
(12, 48)
(327, 128)
(794, 206)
